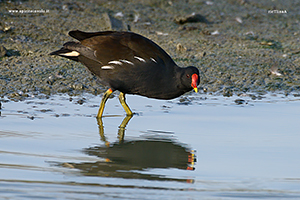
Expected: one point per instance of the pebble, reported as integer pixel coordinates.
(180, 47)
(216, 32)
(81, 101)
(30, 117)
(161, 33)
(274, 71)
(68, 165)
(239, 20)
(189, 28)
(3, 51)
(113, 24)
(239, 101)
(191, 18)
(119, 14)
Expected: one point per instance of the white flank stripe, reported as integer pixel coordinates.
(107, 67)
(153, 60)
(72, 53)
(126, 61)
(115, 62)
(140, 59)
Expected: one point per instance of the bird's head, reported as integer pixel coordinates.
(191, 77)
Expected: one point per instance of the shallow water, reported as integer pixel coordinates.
(54, 148)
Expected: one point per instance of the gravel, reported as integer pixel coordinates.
(236, 51)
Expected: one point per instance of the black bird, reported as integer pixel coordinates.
(130, 63)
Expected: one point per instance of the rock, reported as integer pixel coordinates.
(81, 101)
(239, 20)
(4, 29)
(274, 71)
(216, 32)
(3, 51)
(68, 165)
(239, 101)
(161, 33)
(113, 23)
(189, 28)
(30, 117)
(180, 47)
(72, 6)
(200, 55)
(191, 18)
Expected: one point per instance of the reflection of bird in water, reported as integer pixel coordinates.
(128, 159)
(130, 63)
(146, 154)
(121, 158)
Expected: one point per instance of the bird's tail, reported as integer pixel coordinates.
(68, 51)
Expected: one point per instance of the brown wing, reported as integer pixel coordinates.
(116, 46)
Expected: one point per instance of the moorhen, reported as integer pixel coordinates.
(130, 63)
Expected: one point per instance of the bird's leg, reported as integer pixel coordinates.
(103, 101)
(124, 104)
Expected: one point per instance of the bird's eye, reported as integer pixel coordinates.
(188, 76)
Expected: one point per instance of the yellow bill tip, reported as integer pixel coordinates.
(196, 89)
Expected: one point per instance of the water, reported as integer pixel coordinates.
(54, 148)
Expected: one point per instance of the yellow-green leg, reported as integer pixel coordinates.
(124, 104)
(103, 101)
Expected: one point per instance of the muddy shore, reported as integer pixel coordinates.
(242, 46)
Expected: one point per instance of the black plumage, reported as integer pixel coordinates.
(130, 63)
